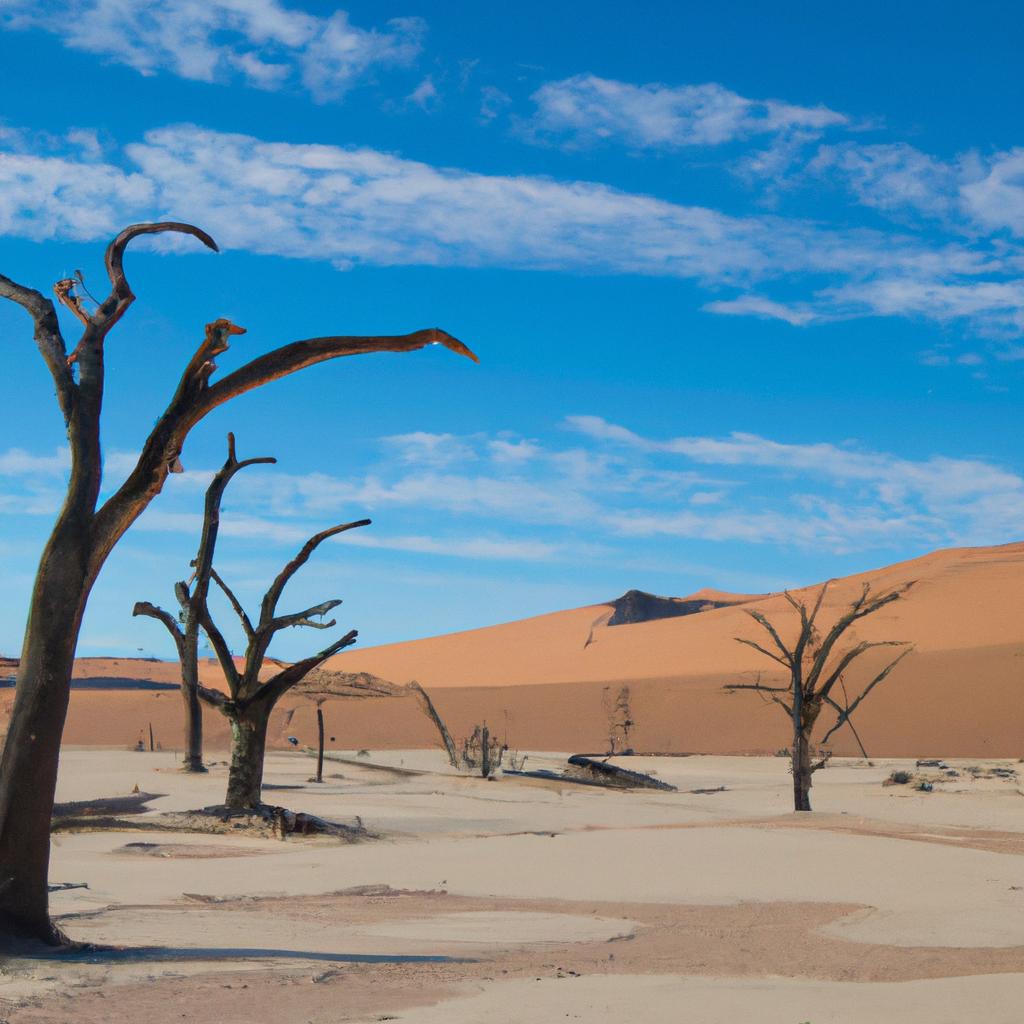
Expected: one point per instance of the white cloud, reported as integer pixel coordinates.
(361, 205)
(425, 95)
(262, 42)
(425, 449)
(890, 177)
(585, 109)
(505, 497)
(18, 462)
(997, 199)
(759, 306)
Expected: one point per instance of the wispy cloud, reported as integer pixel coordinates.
(586, 109)
(262, 43)
(361, 205)
(599, 494)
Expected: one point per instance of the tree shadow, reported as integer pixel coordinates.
(88, 954)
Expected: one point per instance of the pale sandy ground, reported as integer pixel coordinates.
(555, 902)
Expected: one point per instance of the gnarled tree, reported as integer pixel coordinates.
(815, 667)
(250, 699)
(191, 595)
(85, 532)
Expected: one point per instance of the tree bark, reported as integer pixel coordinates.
(801, 770)
(320, 748)
(193, 759)
(248, 746)
(28, 767)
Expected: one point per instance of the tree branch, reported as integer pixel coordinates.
(304, 618)
(155, 612)
(850, 656)
(762, 650)
(273, 594)
(274, 687)
(194, 399)
(48, 338)
(235, 604)
(844, 716)
(762, 621)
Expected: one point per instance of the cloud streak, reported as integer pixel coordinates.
(586, 109)
(261, 43)
(358, 205)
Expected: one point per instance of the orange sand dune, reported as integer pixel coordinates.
(549, 681)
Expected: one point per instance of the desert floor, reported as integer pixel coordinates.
(522, 901)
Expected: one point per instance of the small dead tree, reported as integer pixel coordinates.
(325, 684)
(192, 595)
(250, 700)
(85, 532)
(620, 718)
(815, 667)
(321, 685)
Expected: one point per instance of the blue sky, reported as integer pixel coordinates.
(746, 281)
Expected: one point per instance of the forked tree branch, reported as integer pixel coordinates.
(195, 399)
(268, 607)
(844, 716)
(288, 677)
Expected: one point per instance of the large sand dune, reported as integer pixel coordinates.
(549, 681)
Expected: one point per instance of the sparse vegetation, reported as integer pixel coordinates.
(815, 668)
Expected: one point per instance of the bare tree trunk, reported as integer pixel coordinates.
(320, 749)
(28, 767)
(801, 770)
(485, 752)
(248, 746)
(193, 759)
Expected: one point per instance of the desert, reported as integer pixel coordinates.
(526, 897)
(511, 514)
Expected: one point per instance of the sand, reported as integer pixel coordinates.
(515, 900)
(549, 682)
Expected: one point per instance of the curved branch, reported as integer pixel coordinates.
(155, 612)
(194, 400)
(48, 338)
(121, 295)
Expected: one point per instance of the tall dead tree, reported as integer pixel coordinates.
(191, 595)
(250, 699)
(85, 533)
(815, 667)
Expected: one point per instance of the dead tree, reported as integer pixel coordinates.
(191, 595)
(85, 532)
(324, 684)
(250, 700)
(321, 685)
(620, 718)
(815, 667)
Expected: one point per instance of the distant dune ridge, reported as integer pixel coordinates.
(553, 681)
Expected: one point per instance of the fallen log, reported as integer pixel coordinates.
(612, 775)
